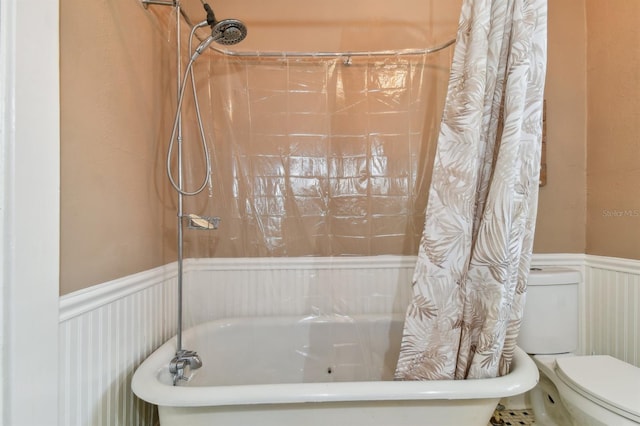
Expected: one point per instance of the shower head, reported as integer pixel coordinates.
(228, 31)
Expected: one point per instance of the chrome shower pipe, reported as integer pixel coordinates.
(179, 360)
(180, 212)
(183, 358)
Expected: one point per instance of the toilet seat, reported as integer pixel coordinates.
(605, 380)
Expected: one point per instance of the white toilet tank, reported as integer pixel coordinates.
(550, 322)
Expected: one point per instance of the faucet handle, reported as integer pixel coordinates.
(179, 363)
(176, 368)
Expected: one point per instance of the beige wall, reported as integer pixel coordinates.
(561, 212)
(116, 80)
(613, 213)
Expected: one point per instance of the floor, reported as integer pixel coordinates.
(507, 417)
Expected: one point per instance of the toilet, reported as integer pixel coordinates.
(573, 390)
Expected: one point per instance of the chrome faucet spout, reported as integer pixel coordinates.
(194, 360)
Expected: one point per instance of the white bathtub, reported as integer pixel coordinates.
(313, 371)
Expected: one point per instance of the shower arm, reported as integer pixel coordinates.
(146, 3)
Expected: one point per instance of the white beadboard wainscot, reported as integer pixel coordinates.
(612, 306)
(106, 331)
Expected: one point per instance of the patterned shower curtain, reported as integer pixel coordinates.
(470, 280)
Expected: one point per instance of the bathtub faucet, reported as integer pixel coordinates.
(181, 361)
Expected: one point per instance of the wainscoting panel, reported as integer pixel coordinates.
(105, 333)
(612, 308)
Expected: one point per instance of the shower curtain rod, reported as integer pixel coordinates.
(347, 55)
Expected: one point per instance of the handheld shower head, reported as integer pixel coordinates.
(228, 31)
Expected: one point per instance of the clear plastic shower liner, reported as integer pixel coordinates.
(315, 156)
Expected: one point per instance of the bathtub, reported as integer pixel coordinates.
(310, 371)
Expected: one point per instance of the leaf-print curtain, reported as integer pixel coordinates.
(469, 283)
